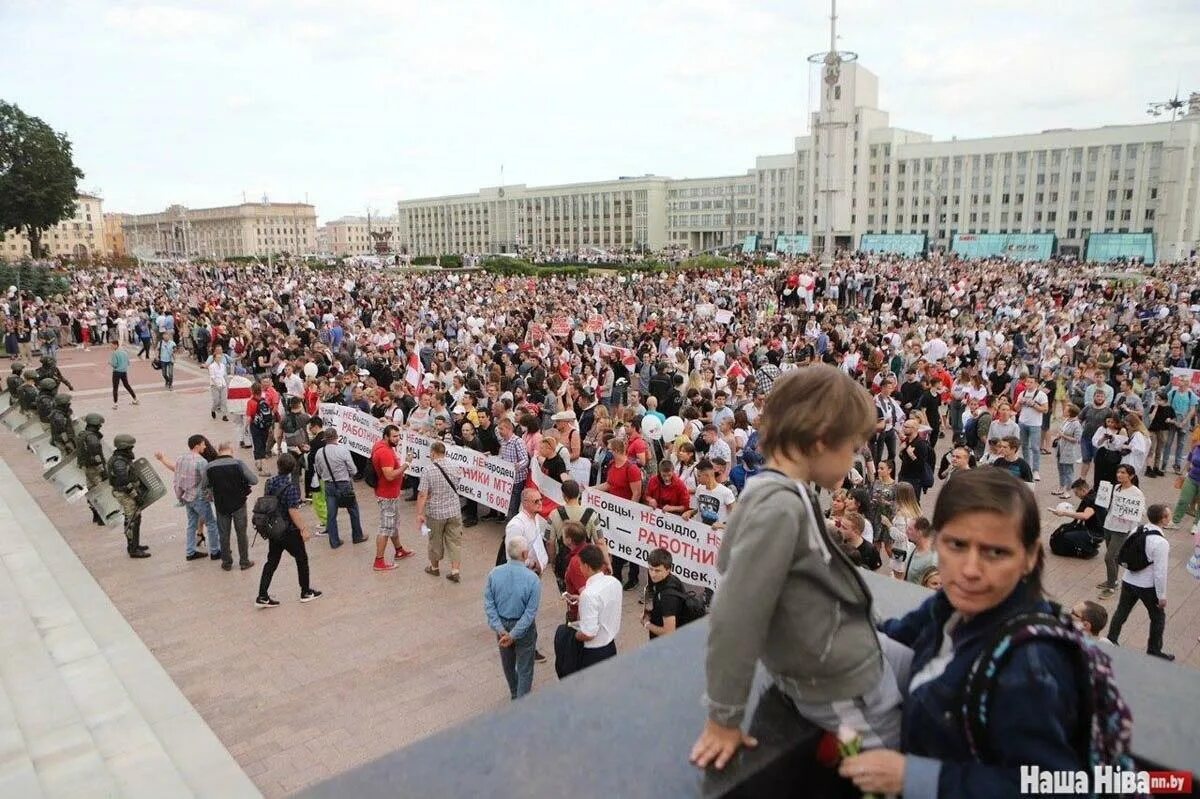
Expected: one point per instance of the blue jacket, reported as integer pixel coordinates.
(1033, 709)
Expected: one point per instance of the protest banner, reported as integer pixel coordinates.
(1104, 492)
(484, 478)
(1127, 508)
(1191, 377)
(560, 326)
(358, 430)
(723, 317)
(595, 324)
(537, 331)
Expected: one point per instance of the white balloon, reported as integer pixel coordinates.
(672, 428)
(310, 369)
(1065, 507)
(652, 428)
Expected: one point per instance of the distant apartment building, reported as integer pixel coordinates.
(358, 235)
(869, 178)
(249, 229)
(80, 236)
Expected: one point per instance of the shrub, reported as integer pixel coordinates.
(450, 261)
(424, 260)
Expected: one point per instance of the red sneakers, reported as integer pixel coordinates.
(403, 553)
(382, 565)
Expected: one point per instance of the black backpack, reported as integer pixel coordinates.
(370, 476)
(269, 517)
(1133, 552)
(264, 417)
(1073, 540)
(693, 607)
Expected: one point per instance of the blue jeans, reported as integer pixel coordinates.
(1175, 438)
(197, 509)
(350, 503)
(1066, 475)
(517, 660)
(1031, 444)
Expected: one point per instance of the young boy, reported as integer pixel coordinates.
(711, 502)
(789, 595)
(1007, 450)
(852, 526)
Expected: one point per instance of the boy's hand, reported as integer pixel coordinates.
(717, 745)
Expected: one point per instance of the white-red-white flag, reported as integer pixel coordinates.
(413, 374)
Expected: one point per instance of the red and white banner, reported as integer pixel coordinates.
(412, 373)
(484, 478)
(595, 324)
(560, 326)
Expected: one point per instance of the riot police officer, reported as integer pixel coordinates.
(47, 387)
(62, 425)
(49, 368)
(89, 455)
(14, 381)
(129, 492)
(27, 394)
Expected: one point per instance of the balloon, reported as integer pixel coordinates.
(652, 428)
(310, 369)
(1065, 507)
(672, 428)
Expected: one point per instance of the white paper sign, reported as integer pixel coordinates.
(1127, 508)
(1104, 493)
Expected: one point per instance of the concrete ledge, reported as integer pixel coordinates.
(624, 728)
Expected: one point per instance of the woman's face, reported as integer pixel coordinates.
(1123, 478)
(981, 560)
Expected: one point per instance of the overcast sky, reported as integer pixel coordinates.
(360, 103)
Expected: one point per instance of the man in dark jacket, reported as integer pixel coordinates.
(231, 481)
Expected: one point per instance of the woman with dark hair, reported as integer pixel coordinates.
(1125, 511)
(990, 562)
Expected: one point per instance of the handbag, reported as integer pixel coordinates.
(156, 364)
(340, 488)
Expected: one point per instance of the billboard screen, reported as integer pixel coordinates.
(750, 244)
(1018, 246)
(793, 244)
(1105, 247)
(901, 244)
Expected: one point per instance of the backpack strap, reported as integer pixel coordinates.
(562, 513)
(1100, 736)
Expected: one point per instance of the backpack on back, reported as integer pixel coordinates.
(269, 517)
(263, 416)
(1105, 722)
(693, 605)
(1133, 552)
(370, 476)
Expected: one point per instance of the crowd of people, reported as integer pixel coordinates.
(701, 393)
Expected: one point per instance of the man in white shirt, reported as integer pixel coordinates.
(219, 369)
(525, 526)
(1034, 403)
(599, 609)
(712, 502)
(1147, 585)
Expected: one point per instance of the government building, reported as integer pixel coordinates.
(1128, 190)
(246, 230)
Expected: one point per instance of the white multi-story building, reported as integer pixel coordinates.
(249, 229)
(867, 178)
(627, 213)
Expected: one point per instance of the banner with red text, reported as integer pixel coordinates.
(359, 431)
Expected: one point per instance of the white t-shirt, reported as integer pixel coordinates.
(712, 504)
(1030, 415)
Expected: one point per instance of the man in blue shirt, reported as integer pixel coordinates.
(510, 601)
(119, 361)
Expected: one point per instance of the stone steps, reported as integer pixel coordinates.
(85, 708)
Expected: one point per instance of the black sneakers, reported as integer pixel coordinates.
(309, 595)
(266, 602)
(138, 553)
(197, 555)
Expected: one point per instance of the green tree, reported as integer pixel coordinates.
(38, 178)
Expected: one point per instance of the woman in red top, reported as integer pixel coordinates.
(624, 479)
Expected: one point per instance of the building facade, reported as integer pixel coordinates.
(114, 235)
(249, 229)
(857, 175)
(80, 237)
(622, 214)
(358, 235)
